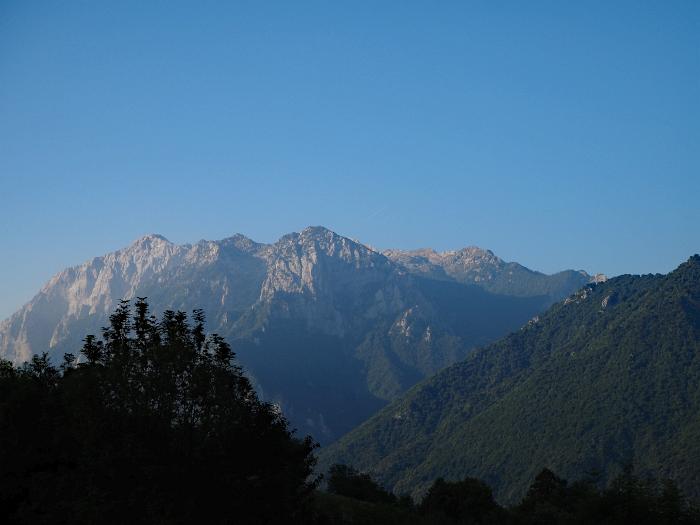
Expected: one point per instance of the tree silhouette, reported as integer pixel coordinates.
(347, 481)
(156, 424)
(467, 501)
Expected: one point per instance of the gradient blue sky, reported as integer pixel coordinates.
(558, 134)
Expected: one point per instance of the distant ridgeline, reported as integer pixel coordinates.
(608, 378)
(328, 328)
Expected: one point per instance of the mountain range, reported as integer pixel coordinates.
(327, 327)
(607, 378)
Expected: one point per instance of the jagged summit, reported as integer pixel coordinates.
(241, 243)
(153, 237)
(149, 239)
(143, 249)
(318, 230)
(319, 234)
(469, 257)
(240, 238)
(693, 260)
(474, 265)
(323, 237)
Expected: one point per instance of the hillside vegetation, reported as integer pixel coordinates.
(607, 378)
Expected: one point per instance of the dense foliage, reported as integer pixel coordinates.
(154, 424)
(347, 481)
(550, 500)
(611, 376)
(467, 501)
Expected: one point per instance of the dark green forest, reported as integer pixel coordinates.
(608, 377)
(354, 497)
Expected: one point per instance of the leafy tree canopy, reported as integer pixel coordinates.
(155, 423)
(550, 500)
(346, 481)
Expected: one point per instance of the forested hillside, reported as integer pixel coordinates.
(609, 377)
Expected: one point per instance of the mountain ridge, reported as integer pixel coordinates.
(329, 308)
(480, 266)
(246, 244)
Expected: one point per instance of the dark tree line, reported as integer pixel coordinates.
(550, 500)
(155, 423)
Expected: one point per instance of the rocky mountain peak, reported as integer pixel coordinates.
(149, 241)
(476, 253)
(475, 265)
(472, 255)
(318, 231)
(318, 260)
(242, 243)
(466, 264)
(146, 251)
(154, 237)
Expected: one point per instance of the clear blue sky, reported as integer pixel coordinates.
(558, 134)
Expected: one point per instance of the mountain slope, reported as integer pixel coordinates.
(608, 377)
(328, 328)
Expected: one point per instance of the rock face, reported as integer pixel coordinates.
(327, 327)
(82, 297)
(326, 279)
